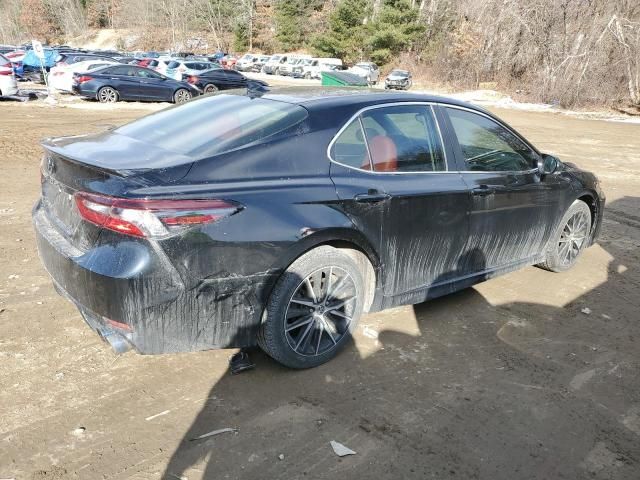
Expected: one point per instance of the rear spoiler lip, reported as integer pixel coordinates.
(90, 150)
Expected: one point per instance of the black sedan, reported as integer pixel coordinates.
(220, 79)
(128, 82)
(278, 220)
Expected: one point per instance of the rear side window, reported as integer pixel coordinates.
(350, 148)
(173, 65)
(211, 125)
(124, 71)
(487, 146)
(394, 139)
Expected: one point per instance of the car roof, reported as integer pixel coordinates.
(319, 97)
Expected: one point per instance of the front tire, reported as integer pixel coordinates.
(313, 309)
(107, 95)
(571, 237)
(182, 95)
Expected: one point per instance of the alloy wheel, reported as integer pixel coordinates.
(182, 96)
(210, 88)
(320, 311)
(573, 237)
(107, 95)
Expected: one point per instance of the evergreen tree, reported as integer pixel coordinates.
(347, 33)
(396, 28)
(292, 22)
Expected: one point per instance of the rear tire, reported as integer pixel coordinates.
(313, 309)
(210, 88)
(571, 237)
(107, 95)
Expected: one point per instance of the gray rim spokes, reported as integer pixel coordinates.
(320, 311)
(573, 237)
(108, 95)
(183, 96)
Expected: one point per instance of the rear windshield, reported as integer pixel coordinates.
(215, 124)
(4, 60)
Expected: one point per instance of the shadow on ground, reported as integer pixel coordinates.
(522, 390)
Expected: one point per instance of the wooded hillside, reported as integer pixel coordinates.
(571, 52)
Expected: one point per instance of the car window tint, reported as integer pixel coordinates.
(488, 146)
(349, 147)
(146, 73)
(403, 139)
(173, 64)
(122, 71)
(238, 121)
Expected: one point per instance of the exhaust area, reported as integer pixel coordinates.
(118, 342)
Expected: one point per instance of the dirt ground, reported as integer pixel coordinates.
(507, 380)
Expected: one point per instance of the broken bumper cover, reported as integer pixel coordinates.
(149, 305)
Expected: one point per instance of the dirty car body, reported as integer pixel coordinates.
(169, 233)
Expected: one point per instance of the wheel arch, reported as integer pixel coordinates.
(591, 199)
(352, 243)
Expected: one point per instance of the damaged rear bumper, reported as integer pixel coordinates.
(148, 307)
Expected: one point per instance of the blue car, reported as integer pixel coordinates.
(128, 82)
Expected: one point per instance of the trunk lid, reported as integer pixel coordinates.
(107, 164)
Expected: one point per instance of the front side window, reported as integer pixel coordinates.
(395, 139)
(487, 146)
(147, 73)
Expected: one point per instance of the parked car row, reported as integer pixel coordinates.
(298, 65)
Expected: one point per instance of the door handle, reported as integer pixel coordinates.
(483, 191)
(372, 197)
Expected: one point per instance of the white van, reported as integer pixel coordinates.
(274, 64)
(293, 60)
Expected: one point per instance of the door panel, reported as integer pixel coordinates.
(513, 210)
(413, 211)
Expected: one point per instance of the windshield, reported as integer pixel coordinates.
(275, 58)
(366, 66)
(214, 124)
(399, 73)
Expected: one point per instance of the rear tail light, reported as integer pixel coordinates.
(150, 217)
(8, 71)
(83, 78)
(192, 79)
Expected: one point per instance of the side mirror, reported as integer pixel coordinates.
(547, 164)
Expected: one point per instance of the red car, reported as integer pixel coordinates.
(144, 62)
(228, 62)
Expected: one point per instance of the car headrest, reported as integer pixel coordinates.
(384, 154)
